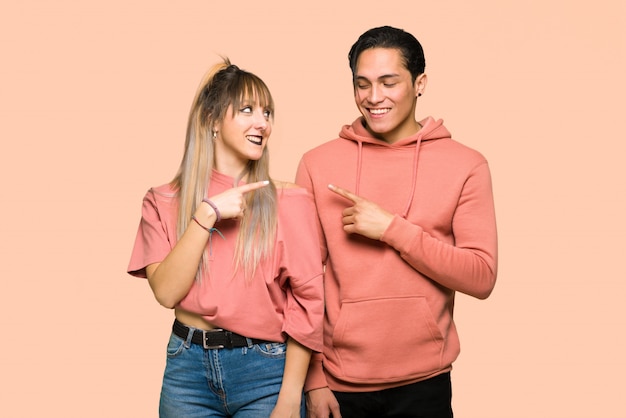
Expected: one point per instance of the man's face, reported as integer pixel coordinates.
(385, 95)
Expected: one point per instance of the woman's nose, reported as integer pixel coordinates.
(260, 121)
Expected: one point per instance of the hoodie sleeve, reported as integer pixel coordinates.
(303, 178)
(469, 265)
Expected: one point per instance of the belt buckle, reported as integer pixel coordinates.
(205, 337)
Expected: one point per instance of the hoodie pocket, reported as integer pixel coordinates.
(386, 340)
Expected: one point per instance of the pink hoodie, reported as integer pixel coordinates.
(389, 303)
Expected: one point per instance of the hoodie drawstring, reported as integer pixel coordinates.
(357, 132)
(359, 164)
(414, 180)
(359, 161)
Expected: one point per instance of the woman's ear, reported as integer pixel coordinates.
(215, 128)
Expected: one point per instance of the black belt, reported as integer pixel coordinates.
(213, 339)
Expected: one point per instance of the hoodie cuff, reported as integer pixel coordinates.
(400, 233)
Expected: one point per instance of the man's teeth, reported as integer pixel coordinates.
(378, 111)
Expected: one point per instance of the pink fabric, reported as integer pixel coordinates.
(389, 303)
(285, 297)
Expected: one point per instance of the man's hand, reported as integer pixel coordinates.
(321, 403)
(364, 217)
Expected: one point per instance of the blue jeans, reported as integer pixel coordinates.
(239, 382)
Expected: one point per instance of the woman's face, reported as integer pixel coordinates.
(385, 94)
(242, 136)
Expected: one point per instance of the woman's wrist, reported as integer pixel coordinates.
(204, 217)
(289, 400)
(193, 218)
(213, 206)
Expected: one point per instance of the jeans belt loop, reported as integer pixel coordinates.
(206, 345)
(187, 342)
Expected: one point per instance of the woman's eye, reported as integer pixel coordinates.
(246, 109)
(267, 113)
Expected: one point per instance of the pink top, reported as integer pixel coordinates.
(389, 303)
(285, 296)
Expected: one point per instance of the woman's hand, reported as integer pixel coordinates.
(286, 410)
(231, 204)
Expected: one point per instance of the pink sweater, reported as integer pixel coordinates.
(285, 297)
(389, 303)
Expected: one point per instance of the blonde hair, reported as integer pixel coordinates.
(224, 85)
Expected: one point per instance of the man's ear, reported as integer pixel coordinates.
(420, 84)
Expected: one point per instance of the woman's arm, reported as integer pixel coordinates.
(172, 278)
(290, 395)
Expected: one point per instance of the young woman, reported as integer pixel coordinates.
(236, 255)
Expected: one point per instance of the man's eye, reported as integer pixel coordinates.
(362, 86)
(389, 84)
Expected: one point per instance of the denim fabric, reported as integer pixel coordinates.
(239, 382)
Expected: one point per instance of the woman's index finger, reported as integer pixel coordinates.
(253, 186)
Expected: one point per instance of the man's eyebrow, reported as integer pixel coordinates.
(382, 77)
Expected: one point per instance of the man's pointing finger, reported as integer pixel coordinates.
(344, 193)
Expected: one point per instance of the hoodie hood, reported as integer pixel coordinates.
(431, 130)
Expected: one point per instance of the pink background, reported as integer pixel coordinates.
(93, 102)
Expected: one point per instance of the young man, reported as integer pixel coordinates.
(407, 219)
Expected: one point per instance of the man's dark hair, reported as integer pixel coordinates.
(389, 37)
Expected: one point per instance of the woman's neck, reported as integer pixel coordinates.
(233, 170)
